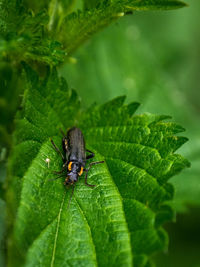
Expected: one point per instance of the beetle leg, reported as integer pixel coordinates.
(91, 154)
(87, 170)
(59, 172)
(57, 150)
(62, 170)
(60, 176)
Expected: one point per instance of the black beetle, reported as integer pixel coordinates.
(74, 159)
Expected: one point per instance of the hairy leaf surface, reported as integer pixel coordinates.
(79, 26)
(40, 31)
(111, 79)
(23, 35)
(119, 222)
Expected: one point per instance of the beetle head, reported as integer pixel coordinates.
(72, 177)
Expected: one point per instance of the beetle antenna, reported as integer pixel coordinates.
(62, 132)
(71, 197)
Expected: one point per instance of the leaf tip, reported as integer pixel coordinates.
(132, 107)
(180, 4)
(183, 4)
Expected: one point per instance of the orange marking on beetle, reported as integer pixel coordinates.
(70, 166)
(81, 171)
(66, 144)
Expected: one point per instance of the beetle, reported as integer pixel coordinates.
(74, 158)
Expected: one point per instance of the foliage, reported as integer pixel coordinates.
(45, 36)
(78, 27)
(97, 61)
(120, 222)
(98, 228)
(23, 35)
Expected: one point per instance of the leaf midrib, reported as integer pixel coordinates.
(57, 229)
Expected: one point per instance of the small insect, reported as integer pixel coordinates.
(74, 158)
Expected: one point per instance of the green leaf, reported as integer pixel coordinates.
(79, 26)
(27, 35)
(187, 183)
(118, 222)
(88, 4)
(23, 36)
(144, 80)
(141, 4)
(155, 4)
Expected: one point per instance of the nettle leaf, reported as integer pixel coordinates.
(79, 26)
(42, 36)
(155, 4)
(23, 35)
(119, 222)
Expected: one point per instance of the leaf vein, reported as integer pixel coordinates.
(57, 228)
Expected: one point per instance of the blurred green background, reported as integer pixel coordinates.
(154, 58)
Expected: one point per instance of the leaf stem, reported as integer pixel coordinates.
(53, 6)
